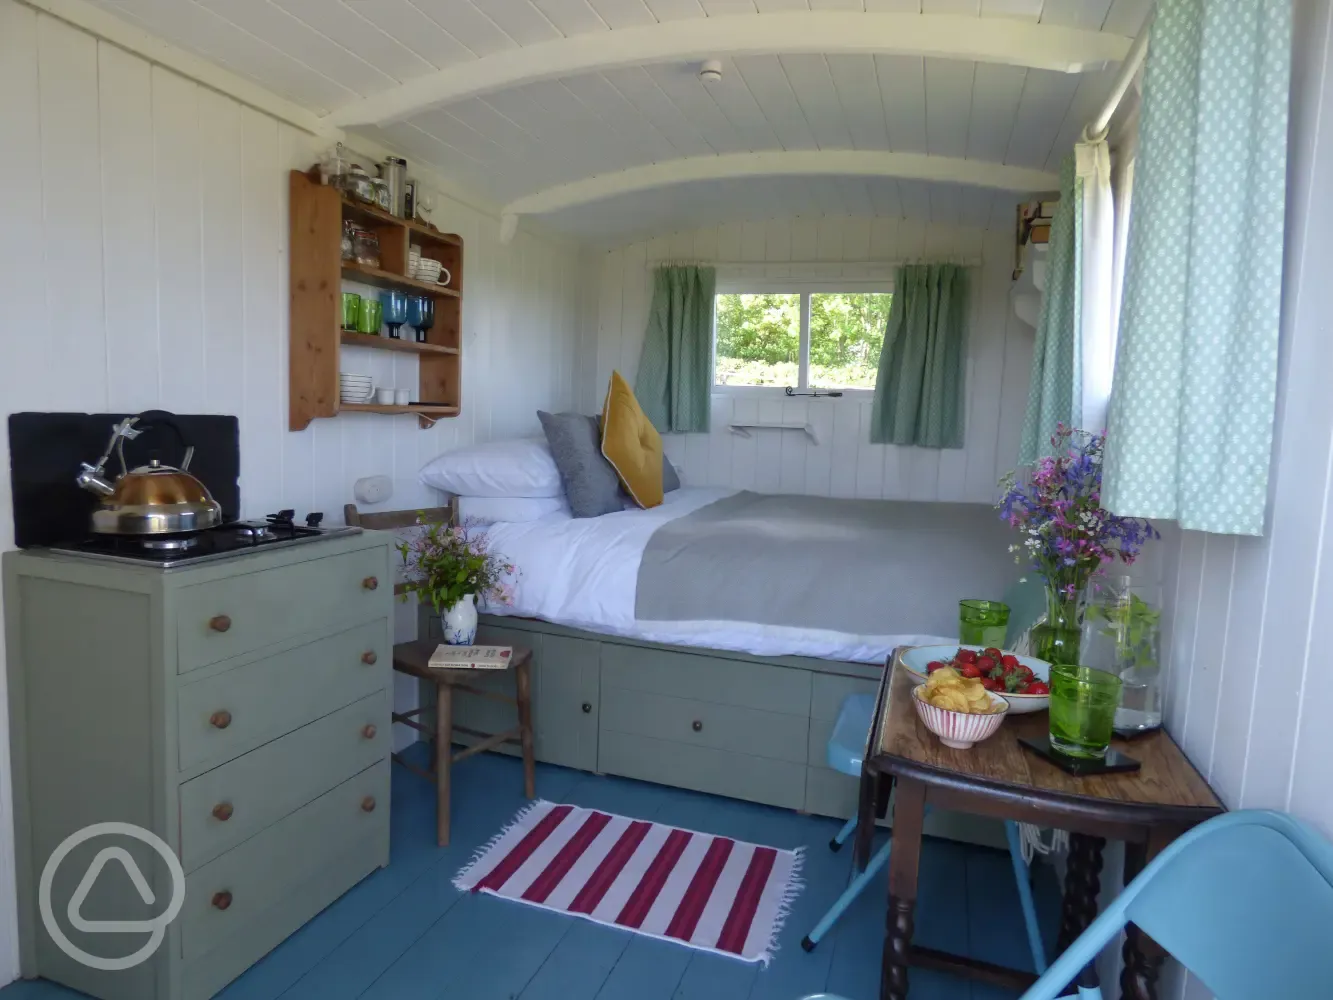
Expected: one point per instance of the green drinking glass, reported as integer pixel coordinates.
(370, 316)
(982, 623)
(1082, 712)
(351, 310)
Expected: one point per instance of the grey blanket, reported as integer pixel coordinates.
(864, 567)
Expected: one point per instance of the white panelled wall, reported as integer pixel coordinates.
(844, 463)
(143, 264)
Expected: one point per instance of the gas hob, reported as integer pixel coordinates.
(227, 541)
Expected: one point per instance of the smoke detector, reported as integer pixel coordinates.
(711, 71)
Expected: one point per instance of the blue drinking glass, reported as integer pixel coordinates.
(421, 315)
(395, 311)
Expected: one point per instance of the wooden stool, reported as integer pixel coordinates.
(414, 658)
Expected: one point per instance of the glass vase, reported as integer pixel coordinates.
(1121, 635)
(1056, 640)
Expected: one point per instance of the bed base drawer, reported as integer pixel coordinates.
(703, 769)
(705, 724)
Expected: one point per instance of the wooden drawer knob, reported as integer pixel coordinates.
(370, 583)
(219, 623)
(368, 804)
(369, 658)
(222, 899)
(220, 720)
(369, 731)
(587, 707)
(697, 726)
(222, 811)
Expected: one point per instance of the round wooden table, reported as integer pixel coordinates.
(1147, 809)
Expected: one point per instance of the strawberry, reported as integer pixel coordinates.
(1038, 687)
(1009, 660)
(991, 685)
(986, 664)
(933, 665)
(966, 656)
(992, 652)
(969, 670)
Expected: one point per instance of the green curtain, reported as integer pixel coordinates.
(1053, 396)
(919, 390)
(675, 376)
(1191, 421)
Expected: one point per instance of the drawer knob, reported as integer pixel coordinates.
(220, 720)
(369, 731)
(370, 582)
(697, 726)
(222, 899)
(222, 811)
(587, 707)
(219, 623)
(368, 804)
(369, 658)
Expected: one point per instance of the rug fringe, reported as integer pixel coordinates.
(795, 885)
(484, 849)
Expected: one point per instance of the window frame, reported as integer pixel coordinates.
(804, 287)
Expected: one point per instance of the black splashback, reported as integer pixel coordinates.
(46, 449)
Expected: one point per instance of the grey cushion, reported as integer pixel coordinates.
(670, 481)
(591, 484)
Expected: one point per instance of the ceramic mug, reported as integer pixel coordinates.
(384, 397)
(402, 397)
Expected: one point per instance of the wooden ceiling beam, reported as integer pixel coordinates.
(776, 163)
(948, 36)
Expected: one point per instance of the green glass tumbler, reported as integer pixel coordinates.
(1082, 712)
(982, 623)
(370, 316)
(351, 310)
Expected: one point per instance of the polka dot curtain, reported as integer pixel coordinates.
(1191, 418)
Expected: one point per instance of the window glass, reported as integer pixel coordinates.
(846, 334)
(758, 339)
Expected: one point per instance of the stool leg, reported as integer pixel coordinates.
(841, 837)
(1025, 896)
(444, 753)
(847, 898)
(523, 684)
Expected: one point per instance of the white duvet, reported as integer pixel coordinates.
(583, 572)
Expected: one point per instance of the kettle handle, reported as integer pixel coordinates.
(164, 418)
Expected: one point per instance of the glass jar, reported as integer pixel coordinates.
(366, 247)
(348, 248)
(1121, 635)
(357, 184)
(333, 166)
(383, 200)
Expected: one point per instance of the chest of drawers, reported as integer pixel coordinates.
(238, 711)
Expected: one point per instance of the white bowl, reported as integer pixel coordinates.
(916, 658)
(959, 729)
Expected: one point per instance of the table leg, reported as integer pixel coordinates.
(523, 690)
(444, 754)
(865, 818)
(1082, 884)
(1142, 955)
(909, 814)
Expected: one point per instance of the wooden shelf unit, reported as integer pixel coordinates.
(317, 273)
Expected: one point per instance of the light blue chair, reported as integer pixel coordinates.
(846, 748)
(1244, 901)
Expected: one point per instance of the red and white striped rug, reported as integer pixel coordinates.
(707, 892)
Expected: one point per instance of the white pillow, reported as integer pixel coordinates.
(518, 468)
(489, 510)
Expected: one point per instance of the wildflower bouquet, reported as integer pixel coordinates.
(445, 564)
(1066, 535)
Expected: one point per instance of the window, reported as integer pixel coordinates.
(815, 338)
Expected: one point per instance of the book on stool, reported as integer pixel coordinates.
(448, 657)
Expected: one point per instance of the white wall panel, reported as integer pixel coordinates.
(844, 463)
(145, 265)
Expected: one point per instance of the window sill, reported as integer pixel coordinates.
(780, 392)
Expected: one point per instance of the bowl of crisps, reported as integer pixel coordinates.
(958, 709)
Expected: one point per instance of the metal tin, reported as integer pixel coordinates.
(394, 173)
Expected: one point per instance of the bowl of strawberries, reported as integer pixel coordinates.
(1022, 681)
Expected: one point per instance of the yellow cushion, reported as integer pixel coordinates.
(631, 444)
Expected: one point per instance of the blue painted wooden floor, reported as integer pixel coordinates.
(406, 934)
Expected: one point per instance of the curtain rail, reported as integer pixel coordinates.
(1097, 129)
(882, 262)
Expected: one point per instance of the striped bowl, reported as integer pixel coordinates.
(959, 729)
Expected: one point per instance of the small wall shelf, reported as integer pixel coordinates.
(744, 429)
(317, 272)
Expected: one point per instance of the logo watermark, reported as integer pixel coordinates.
(155, 928)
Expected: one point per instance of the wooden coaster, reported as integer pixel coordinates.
(1079, 767)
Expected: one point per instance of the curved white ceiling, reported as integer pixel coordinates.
(559, 123)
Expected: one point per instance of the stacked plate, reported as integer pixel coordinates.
(355, 388)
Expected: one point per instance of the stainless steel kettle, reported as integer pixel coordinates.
(152, 499)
